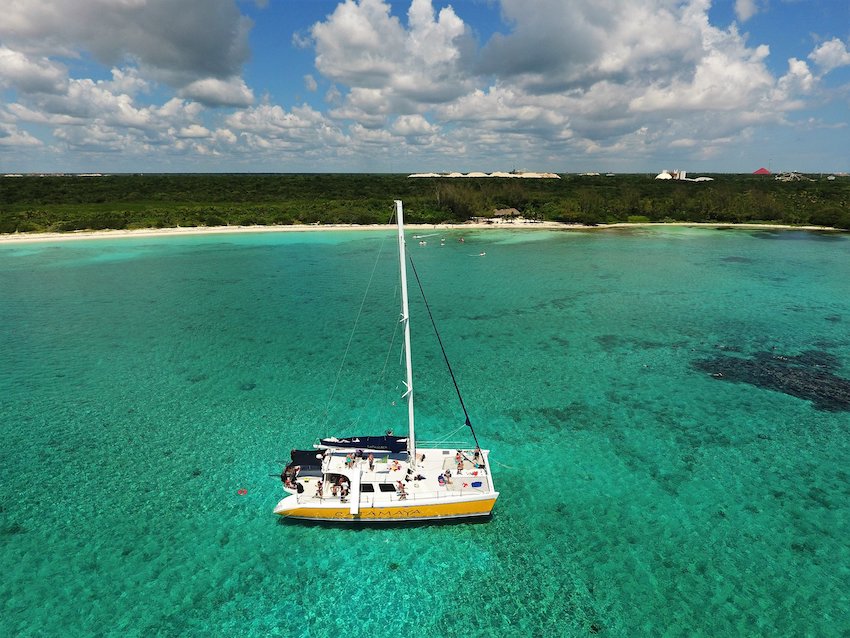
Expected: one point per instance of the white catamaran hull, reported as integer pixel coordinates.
(424, 510)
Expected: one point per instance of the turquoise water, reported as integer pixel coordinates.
(143, 382)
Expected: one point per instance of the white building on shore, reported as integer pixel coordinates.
(681, 176)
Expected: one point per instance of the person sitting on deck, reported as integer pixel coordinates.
(448, 476)
(402, 495)
(441, 480)
(289, 475)
(396, 466)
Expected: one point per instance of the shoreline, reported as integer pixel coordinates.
(20, 238)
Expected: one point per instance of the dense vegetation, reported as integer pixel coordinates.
(65, 203)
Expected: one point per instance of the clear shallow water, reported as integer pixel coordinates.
(143, 382)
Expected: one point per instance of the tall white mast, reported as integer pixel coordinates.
(405, 319)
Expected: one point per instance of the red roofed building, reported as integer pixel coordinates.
(761, 171)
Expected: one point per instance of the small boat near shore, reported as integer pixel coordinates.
(390, 478)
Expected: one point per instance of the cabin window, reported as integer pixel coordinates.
(367, 487)
(386, 487)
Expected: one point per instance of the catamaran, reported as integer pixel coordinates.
(390, 478)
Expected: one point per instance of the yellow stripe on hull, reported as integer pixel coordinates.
(396, 513)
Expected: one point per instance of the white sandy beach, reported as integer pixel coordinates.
(495, 224)
(291, 228)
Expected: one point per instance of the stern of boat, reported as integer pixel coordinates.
(287, 505)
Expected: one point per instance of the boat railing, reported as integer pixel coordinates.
(445, 445)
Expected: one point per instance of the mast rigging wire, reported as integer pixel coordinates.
(381, 377)
(442, 348)
(323, 419)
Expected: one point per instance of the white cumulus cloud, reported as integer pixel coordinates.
(388, 65)
(746, 9)
(830, 55)
(12, 136)
(177, 44)
(193, 131)
(31, 74)
(412, 126)
(217, 92)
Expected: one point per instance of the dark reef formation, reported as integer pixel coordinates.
(809, 375)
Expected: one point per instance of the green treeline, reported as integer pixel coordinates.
(66, 203)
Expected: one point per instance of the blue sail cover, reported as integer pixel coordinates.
(387, 443)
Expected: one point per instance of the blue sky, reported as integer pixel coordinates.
(424, 85)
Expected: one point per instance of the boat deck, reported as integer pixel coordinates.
(380, 484)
